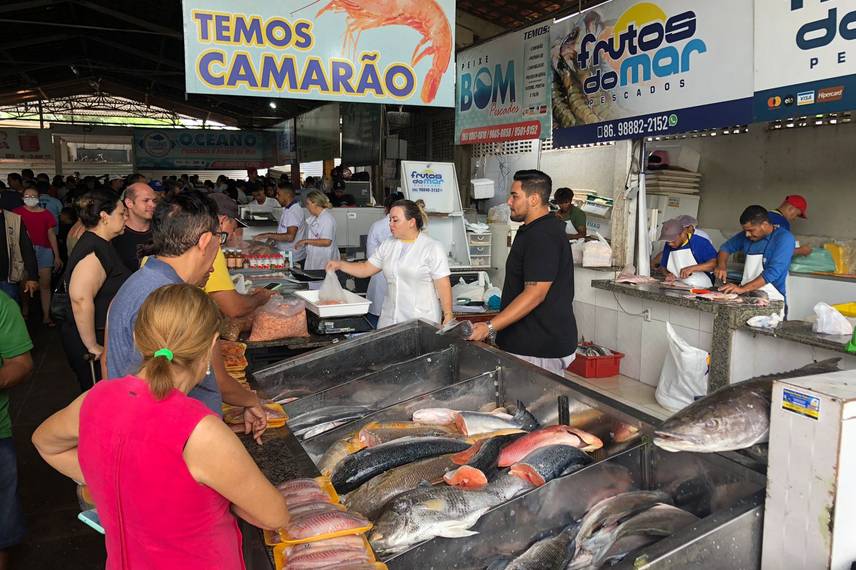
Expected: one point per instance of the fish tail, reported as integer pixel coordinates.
(527, 473)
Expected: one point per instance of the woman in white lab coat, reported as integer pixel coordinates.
(415, 266)
(320, 241)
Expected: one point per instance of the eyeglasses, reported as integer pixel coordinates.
(223, 237)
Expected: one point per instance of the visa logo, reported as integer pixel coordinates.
(805, 98)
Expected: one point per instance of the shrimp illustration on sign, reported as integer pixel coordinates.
(424, 16)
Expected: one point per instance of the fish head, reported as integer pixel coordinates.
(393, 531)
(726, 421)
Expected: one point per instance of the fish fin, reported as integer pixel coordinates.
(527, 473)
(466, 477)
(463, 457)
(456, 529)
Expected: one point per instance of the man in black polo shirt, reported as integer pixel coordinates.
(537, 319)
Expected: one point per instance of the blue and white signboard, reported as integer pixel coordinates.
(384, 51)
(805, 57)
(203, 149)
(633, 69)
(503, 88)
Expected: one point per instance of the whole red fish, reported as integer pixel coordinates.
(551, 435)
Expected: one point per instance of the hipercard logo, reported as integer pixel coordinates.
(830, 94)
(645, 43)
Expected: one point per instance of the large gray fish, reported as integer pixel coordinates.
(552, 553)
(428, 512)
(356, 469)
(613, 509)
(734, 417)
(615, 542)
(474, 423)
(373, 495)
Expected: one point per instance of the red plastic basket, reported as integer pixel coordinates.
(596, 366)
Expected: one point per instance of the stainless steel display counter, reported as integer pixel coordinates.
(408, 367)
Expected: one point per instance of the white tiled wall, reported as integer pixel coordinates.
(756, 355)
(615, 321)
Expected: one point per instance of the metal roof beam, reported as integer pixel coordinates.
(37, 40)
(21, 6)
(119, 15)
(138, 52)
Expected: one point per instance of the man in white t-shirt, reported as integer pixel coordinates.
(260, 202)
(292, 223)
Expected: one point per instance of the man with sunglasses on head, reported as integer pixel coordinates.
(220, 287)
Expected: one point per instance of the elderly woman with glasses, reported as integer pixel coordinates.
(94, 274)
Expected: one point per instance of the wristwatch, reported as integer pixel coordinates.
(491, 332)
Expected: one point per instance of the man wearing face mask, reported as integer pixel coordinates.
(536, 322)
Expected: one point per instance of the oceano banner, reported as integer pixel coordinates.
(203, 149)
(633, 69)
(383, 51)
(503, 88)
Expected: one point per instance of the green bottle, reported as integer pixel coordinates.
(851, 346)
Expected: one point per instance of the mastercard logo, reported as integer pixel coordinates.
(774, 102)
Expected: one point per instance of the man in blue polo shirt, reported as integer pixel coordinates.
(185, 240)
(768, 255)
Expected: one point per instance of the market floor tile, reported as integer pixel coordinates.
(55, 538)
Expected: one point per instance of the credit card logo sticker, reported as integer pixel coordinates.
(805, 98)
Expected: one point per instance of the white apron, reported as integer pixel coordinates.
(680, 258)
(753, 268)
(317, 257)
(409, 295)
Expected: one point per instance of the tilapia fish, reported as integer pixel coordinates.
(376, 433)
(551, 435)
(734, 417)
(621, 506)
(615, 542)
(472, 423)
(299, 425)
(373, 495)
(547, 463)
(316, 523)
(552, 553)
(480, 463)
(428, 512)
(356, 469)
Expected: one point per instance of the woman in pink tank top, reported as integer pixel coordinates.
(163, 470)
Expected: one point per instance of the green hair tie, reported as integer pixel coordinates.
(165, 352)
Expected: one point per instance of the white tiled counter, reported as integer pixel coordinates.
(618, 322)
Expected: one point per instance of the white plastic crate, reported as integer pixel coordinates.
(480, 260)
(480, 250)
(478, 239)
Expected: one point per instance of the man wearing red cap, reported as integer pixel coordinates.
(794, 206)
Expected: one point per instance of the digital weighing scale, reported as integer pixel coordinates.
(337, 325)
